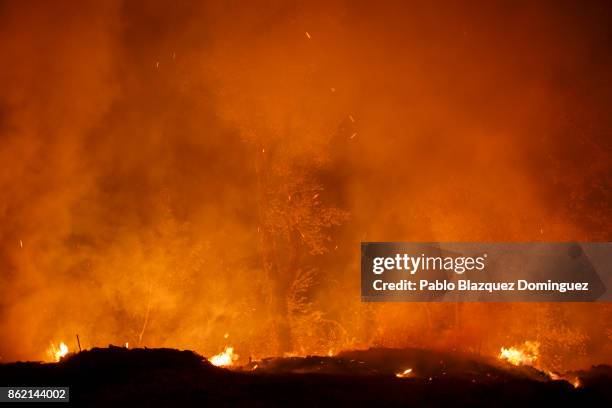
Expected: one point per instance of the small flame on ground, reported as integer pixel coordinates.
(406, 373)
(225, 358)
(58, 352)
(525, 354)
(575, 381)
(127, 344)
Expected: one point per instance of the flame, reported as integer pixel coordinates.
(575, 382)
(525, 354)
(58, 352)
(225, 358)
(406, 373)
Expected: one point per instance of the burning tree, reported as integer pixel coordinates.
(295, 224)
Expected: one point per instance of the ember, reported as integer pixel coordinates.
(406, 373)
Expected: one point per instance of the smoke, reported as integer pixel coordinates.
(176, 173)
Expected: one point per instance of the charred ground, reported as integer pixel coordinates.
(168, 377)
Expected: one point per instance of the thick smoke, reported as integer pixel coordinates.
(199, 174)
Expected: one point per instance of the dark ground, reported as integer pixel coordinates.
(165, 377)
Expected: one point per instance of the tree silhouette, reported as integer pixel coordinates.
(295, 225)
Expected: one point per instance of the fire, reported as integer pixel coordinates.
(525, 354)
(575, 382)
(58, 352)
(406, 373)
(225, 358)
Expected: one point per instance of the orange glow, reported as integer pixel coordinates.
(406, 373)
(224, 359)
(201, 175)
(525, 354)
(56, 353)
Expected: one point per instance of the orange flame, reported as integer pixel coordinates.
(525, 354)
(406, 373)
(225, 358)
(56, 353)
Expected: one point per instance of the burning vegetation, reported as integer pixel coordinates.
(405, 373)
(525, 354)
(226, 358)
(176, 171)
(57, 352)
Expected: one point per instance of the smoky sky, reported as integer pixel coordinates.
(133, 134)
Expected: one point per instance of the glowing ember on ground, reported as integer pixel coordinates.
(525, 354)
(225, 358)
(58, 352)
(406, 373)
